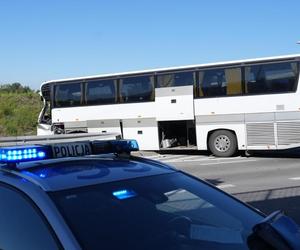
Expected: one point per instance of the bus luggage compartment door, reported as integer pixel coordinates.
(144, 130)
(174, 103)
(104, 126)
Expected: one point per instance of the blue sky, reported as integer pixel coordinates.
(47, 40)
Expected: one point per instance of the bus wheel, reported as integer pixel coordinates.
(222, 143)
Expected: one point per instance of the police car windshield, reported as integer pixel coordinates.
(168, 211)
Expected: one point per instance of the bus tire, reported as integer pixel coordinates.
(222, 143)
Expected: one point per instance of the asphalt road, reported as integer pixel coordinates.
(268, 181)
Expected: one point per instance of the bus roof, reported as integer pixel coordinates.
(161, 70)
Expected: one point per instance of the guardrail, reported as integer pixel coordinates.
(22, 140)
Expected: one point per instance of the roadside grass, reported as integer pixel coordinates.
(19, 113)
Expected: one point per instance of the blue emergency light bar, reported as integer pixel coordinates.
(23, 153)
(26, 153)
(115, 146)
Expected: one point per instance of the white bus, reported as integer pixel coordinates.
(221, 107)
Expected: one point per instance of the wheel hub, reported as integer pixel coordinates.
(222, 143)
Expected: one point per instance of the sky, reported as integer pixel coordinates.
(48, 40)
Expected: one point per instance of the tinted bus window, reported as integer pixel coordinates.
(101, 92)
(176, 79)
(271, 78)
(220, 82)
(137, 89)
(67, 95)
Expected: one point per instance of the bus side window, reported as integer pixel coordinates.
(176, 79)
(214, 83)
(199, 84)
(67, 95)
(101, 92)
(220, 82)
(234, 81)
(165, 80)
(271, 78)
(137, 89)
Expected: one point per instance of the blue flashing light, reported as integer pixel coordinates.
(124, 194)
(41, 154)
(115, 146)
(42, 175)
(22, 153)
(125, 145)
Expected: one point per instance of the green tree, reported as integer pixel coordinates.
(14, 88)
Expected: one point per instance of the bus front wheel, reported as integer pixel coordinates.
(222, 143)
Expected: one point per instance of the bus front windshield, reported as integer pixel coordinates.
(169, 211)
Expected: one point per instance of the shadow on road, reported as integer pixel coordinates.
(287, 153)
(214, 182)
(267, 201)
(183, 152)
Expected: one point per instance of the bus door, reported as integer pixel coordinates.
(143, 130)
(174, 101)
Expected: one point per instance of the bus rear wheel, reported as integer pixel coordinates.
(222, 143)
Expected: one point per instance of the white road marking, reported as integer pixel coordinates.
(163, 157)
(187, 158)
(225, 186)
(212, 160)
(152, 157)
(295, 178)
(199, 158)
(174, 157)
(169, 157)
(190, 157)
(226, 162)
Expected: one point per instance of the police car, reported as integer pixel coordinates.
(95, 195)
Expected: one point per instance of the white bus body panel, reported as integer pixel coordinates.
(104, 126)
(145, 131)
(44, 129)
(247, 104)
(174, 103)
(104, 112)
(260, 122)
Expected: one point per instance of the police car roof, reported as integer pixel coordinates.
(67, 173)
